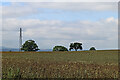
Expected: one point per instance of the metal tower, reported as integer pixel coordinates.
(20, 44)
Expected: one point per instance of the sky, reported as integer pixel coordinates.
(60, 23)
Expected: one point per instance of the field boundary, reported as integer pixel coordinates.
(55, 51)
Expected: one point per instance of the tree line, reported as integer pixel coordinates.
(30, 45)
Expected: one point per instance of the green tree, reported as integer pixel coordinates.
(60, 48)
(92, 48)
(75, 46)
(30, 45)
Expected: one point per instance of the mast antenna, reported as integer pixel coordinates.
(20, 44)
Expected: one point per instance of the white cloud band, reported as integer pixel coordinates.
(61, 1)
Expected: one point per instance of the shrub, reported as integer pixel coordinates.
(92, 48)
(60, 48)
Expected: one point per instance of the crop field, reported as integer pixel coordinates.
(80, 64)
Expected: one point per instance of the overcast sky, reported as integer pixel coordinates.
(52, 23)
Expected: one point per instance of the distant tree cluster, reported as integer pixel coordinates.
(92, 48)
(30, 45)
(75, 46)
(60, 48)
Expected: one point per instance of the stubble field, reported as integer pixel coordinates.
(80, 64)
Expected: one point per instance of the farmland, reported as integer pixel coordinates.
(80, 64)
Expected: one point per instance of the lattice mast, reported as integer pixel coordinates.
(20, 44)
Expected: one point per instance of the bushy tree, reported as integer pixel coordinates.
(60, 48)
(92, 48)
(75, 46)
(30, 45)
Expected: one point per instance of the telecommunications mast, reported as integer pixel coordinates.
(20, 44)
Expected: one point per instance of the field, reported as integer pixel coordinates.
(80, 64)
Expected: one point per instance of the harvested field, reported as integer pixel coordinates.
(81, 64)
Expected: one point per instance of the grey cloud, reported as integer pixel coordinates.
(78, 6)
(54, 32)
(30, 8)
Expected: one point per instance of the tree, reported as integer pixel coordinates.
(60, 48)
(75, 46)
(92, 48)
(30, 45)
